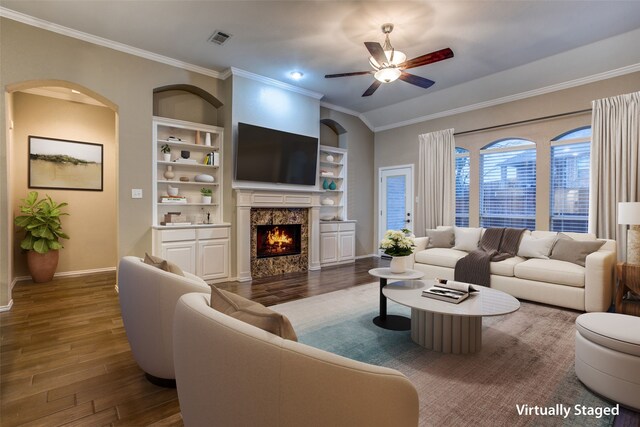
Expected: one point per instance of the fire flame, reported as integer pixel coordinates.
(278, 238)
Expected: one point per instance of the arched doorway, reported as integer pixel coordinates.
(61, 110)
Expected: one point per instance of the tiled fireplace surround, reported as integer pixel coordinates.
(255, 207)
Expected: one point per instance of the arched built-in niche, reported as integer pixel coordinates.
(333, 134)
(63, 110)
(187, 102)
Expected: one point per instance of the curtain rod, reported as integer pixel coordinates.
(522, 122)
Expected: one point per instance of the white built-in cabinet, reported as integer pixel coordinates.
(337, 242)
(200, 245)
(337, 233)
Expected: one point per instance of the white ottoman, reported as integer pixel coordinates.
(608, 356)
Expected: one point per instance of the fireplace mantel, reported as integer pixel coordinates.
(263, 198)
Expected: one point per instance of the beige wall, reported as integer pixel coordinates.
(91, 223)
(400, 145)
(33, 54)
(358, 140)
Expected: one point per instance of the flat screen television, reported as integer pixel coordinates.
(269, 155)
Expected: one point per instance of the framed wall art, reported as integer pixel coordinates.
(65, 165)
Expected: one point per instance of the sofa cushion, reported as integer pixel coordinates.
(505, 267)
(531, 247)
(252, 313)
(466, 239)
(440, 238)
(162, 264)
(574, 251)
(443, 257)
(550, 271)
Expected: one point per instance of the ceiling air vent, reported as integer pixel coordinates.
(219, 37)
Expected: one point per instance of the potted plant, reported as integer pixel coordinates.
(40, 220)
(166, 152)
(398, 244)
(206, 195)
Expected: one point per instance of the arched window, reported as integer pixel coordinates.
(462, 187)
(569, 195)
(508, 184)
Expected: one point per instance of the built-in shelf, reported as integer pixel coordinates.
(193, 137)
(336, 164)
(187, 182)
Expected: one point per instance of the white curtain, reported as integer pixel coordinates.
(436, 181)
(615, 160)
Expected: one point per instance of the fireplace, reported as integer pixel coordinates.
(278, 240)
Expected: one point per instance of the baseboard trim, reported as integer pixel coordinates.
(13, 283)
(72, 273)
(367, 256)
(6, 307)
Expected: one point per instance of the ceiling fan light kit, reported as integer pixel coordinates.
(389, 64)
(387, 75)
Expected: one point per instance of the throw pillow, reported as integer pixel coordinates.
(162, 264)
(466, 239)
(440, 238)
(251, 312)
(574, 251)
(530, 247)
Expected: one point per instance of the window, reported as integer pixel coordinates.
(569, 195)
(462, 187)
(508, 184)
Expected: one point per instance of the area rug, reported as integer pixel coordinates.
(523, 376)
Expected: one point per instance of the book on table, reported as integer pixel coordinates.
(449, 291)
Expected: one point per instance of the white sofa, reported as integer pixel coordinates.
(548, 281)
(230, 373)
(148, 299)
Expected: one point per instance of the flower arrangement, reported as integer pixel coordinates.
(398, 242)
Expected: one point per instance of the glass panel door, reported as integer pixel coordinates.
(395, 199)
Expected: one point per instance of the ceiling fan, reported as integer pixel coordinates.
(389, 64)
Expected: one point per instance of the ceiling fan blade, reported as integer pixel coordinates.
(416, 80)
(377, 52)
(375, 85)
(429, 58)
(356, 73)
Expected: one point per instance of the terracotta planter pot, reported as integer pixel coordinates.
(42, 266)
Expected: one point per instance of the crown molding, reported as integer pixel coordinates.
(274, 82)
(348, 111)
(516, 97)
(121, 47)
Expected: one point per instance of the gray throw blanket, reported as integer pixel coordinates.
(496, 244)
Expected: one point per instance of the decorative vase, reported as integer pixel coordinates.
(185, 154)
(42, 266)
(329, 158)
(166, 157)
(398, 264)
(333, 185)
(207, 139)
(172, 191)
(325, 184)
(206, 200)
(168, 174)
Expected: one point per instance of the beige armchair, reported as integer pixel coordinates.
(230, 373)
(148, 299)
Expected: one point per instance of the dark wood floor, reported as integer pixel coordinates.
(65, 359)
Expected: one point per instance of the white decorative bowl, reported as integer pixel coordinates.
(203, 178)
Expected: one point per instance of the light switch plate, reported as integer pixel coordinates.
(136, 193)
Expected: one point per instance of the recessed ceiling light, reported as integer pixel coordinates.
(296, 75)
(75, 91)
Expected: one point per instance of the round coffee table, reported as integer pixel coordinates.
(392, 322)
(446, 327)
